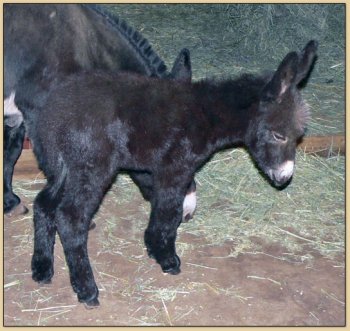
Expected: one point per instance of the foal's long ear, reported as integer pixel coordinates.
(182, 69)
(283, 78)
(306, 59)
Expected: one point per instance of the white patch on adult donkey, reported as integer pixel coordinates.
(14, 117)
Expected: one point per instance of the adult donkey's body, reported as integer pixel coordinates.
(193, 120)
(44, 42)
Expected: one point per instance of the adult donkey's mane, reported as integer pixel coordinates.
(155, 64)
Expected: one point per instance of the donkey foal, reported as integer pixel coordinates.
(166, 129)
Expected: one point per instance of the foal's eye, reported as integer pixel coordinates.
(279, 137)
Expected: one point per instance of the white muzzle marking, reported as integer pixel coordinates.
(285, 170)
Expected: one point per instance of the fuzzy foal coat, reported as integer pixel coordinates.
(167, 129)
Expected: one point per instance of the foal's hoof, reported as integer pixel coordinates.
(45, 281)
(94, 303)
(171, 265)
(87, 295)
(42, 270)
(20, 209)
(42, 275)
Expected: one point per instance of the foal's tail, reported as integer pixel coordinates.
(58, 179)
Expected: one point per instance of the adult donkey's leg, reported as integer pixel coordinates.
(13, 143)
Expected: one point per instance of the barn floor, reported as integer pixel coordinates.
(265, 286)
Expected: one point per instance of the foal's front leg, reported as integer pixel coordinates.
(160, 234)
(145, 183)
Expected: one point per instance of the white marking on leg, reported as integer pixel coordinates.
(189, 206)
(13, 115)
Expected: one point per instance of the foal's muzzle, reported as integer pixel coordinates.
(282, 174)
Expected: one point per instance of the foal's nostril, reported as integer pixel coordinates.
(281, 177)
(286, 169)
(282, 174)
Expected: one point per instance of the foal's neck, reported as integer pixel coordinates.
(228, 107)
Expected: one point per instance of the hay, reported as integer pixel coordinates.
(236, 204)
(229, 39)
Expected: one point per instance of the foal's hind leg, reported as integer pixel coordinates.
(45, 205)
(83, 195)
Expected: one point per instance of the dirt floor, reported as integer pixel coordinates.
(265, 287)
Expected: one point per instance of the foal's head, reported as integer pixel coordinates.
(281, 117)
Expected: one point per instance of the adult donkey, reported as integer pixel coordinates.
(46, 41)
